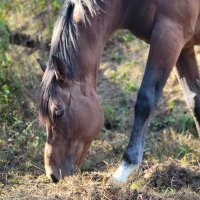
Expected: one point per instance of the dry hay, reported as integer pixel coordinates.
(158, 182)
(174, 175)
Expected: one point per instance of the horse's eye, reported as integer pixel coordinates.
(58, 113)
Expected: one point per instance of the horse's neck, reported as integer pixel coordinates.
(112, 18)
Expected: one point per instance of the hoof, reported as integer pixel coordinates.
(121, 175)
(115, 182)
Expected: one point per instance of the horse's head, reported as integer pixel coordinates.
(72, 115)
(69, 108)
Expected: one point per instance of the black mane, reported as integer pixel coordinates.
(63, 46)
(64, 39)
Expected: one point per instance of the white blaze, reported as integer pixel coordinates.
(49, 171)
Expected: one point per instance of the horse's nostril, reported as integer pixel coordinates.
(54, 179)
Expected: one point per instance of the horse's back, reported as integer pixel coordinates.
(185, 13)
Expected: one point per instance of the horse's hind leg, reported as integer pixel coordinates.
(164, 52)
(189, 78)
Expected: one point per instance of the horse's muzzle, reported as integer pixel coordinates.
(56, 175)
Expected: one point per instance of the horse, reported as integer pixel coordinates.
(69, 108)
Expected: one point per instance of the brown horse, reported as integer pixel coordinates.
(69, 107)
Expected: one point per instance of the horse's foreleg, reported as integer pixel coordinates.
(167, 42)
(189, 78)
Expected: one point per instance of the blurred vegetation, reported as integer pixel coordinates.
(20, 135)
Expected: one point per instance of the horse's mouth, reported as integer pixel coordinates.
(56, 175)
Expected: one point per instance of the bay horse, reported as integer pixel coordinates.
(69, 106)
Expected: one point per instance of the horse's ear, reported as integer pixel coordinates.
(42, 64)
(60, 68)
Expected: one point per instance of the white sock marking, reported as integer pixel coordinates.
(122, 173)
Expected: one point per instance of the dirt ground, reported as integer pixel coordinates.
(171, 165)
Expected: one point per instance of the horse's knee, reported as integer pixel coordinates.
(144, 104)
